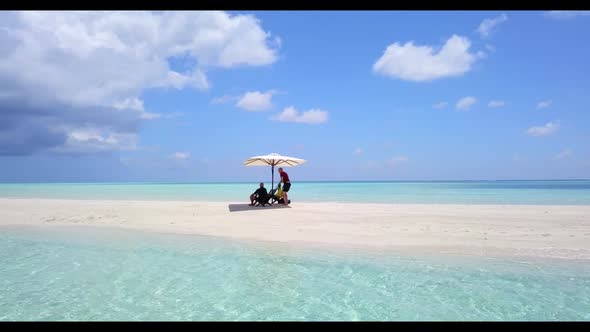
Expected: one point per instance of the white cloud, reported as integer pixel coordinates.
(256, 101)
(395, 161)
(135, 104)
(566, 14)
(440, 105)
(93, 140)
(313, 116)
(358, 151)
(195, 79)
(78, 66)
(564, 154)
(423, 63)
(545, 130)
(490, 48)
(496, 103)
(465, 103)
(104, 57)
(180, 155)
(486, 26)
(130, 103)
(544, 104)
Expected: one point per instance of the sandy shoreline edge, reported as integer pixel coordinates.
(536, 231)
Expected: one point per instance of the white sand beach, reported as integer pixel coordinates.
(495, 230)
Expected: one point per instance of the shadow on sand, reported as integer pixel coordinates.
(246, 207)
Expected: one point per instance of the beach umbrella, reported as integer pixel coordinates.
(272, 160)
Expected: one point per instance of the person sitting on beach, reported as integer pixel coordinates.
(286, 185)
(260, 192)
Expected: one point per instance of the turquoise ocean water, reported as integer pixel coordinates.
(567, 192)
(86, 273)
(97, 274)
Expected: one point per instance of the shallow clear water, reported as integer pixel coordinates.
(566, 192)
(98, 274)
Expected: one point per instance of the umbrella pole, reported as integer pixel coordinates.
(273, 177)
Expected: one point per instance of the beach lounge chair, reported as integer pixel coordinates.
(263, 201)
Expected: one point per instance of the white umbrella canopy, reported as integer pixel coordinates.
(273, 159)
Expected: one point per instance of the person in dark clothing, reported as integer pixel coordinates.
(260, 192)
(286, 185)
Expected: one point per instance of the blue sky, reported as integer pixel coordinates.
(361, 95)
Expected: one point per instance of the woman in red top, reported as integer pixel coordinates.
(286, 185)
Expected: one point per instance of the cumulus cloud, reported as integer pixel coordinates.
(465, 103)
(62, 73)
(544, 104)
(135, 104)
(256, 101)
(28, 127)
(564, 154)
(486, 26)
(423, 63)
(313, 116)
(26, 136)
(92, 140)
(545, 130)
(440, 105)
(496, 103)
(566, 14)
(131, 103)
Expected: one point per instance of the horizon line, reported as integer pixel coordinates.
(303, 181)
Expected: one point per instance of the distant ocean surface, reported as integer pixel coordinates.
(550, 192)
